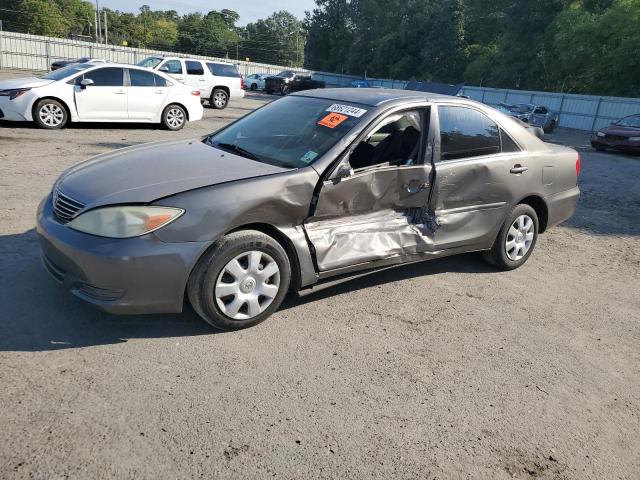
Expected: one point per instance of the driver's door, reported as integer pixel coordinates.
(105, 99)
(372, 206)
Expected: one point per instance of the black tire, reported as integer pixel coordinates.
(201, 287)
(254, 87)
(285, 90)
(174, 117)
(219, 99)
(600, 148)
(551, 127)
(498, 255)
(50, 114)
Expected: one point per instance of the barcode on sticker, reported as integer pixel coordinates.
(347, 110)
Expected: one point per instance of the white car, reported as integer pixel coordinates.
(218, 82)
(99, 93)
(255, 81)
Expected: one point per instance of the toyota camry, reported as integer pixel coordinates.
(312, 189)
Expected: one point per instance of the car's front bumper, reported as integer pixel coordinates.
(617, 144)
(18, 109)
(121, 276)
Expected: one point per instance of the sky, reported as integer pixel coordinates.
(249, 10)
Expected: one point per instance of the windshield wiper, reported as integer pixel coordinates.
(236, 149)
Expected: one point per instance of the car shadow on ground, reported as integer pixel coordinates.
(38, 314)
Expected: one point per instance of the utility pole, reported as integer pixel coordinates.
(95, 24)
(106, 28)
(99, 22)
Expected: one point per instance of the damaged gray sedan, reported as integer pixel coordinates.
(311, 189)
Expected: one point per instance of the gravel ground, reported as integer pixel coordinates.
(446, 369)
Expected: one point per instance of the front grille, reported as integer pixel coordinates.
(65, 207)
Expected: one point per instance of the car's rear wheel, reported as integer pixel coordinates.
(551, 127)
(516, 240)
(219, 99)
(51, 114)
(254, 87)
(174, 117)
(241, 281)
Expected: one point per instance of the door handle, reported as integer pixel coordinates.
(518, 169)
(202, 80)
(120, 92)
(159, 91)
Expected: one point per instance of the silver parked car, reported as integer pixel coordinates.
(537, 115)
(315, 187)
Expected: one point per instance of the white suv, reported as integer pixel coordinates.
(218, 82)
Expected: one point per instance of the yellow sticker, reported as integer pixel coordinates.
(332, 120)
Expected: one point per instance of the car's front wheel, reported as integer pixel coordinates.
(254, 87)
(219, 99)
(516, 239)
(174, 117)
(241, 281)
(551, 127)
(51, 114)
(285, 90)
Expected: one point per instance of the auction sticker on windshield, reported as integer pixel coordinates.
(347, 110)
(332, 120)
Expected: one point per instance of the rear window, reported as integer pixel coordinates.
(194, 68)
(223, 70)
(149, 62)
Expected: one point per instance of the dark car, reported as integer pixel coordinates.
(623, 135)
(309, 190)
(536, 115)
(65, 63)
(288, 81)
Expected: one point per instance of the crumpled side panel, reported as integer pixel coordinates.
(364, 238)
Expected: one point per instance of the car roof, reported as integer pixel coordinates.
(191, 58)
(372, 97)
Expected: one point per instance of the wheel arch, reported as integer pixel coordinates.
(181, 105)
(57, 99)
(542, 210)
(221, 87)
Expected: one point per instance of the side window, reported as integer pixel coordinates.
(161, 82)
(141, 78)
(106, 77)
(540, 111)
(223, 70)
(466, 133)
(508, 145)
(173, 66)
(194, 68)
(394, 141)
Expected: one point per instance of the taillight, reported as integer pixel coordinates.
(241, 83)
(196, 93)
(578, 166)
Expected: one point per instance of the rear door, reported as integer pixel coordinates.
(106, 99)
(480, 170)
(371, 206)
(196, 77)
(147, 93)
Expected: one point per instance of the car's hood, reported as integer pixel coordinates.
(144, 173)
(621, 131)
(26, 82)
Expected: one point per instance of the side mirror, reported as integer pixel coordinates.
(164, 69)
(344, 172)
(85, 83)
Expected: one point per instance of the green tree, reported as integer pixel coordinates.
(42, 17)
(278, 39)
(79, 15)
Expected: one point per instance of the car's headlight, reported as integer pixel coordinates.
(13, 93)
(600, 134)
(125, 221)
(634, 139)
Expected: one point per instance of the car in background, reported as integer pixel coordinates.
(537, 131)
(537, 115)
(623, 135)
(218, 82)
(65, 63)
(255, 81)
(312, 189)
(288, 81)
(88, 92)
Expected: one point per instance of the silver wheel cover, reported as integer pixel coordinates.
(51, 114)
(519, 237)
(247, 285)
(175, 117)
(220, 99)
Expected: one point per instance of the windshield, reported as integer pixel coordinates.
(522, 108)
(149, 62)
(286, 74)
(292, 132)
(66, 71)
(633, 121)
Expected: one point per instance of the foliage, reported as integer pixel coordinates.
(276, 39)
